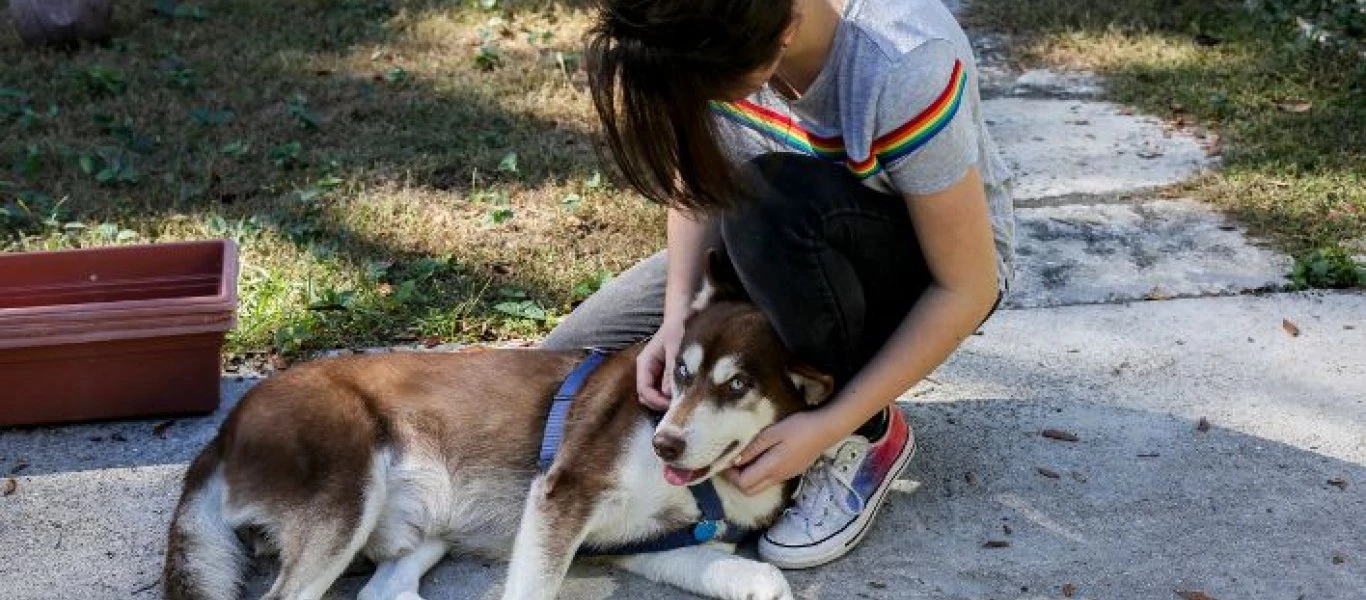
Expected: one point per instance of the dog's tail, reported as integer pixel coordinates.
(204, 558)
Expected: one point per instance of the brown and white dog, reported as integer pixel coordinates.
(405, 457)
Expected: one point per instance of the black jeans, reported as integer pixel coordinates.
(834, 264)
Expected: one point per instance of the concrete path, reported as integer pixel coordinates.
(1221, 424)
(1265, 504)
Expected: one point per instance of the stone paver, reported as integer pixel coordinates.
(1071, 148)
(1079, 254)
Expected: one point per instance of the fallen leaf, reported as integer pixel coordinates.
(970, 478)
(159, 429)
(1068, 590)
(877, 585)
(1338, 482)
(7, 488)
(1006, 529)
(1158, 293)
(996, 544)
(1295, 106)
(1058, 434)
(1203, 425)
(1194, 595)
(1290, 327)
(1046, 472)
(1339, 559)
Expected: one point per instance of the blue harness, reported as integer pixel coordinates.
(712, 527)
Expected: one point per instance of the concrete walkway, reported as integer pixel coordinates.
(1221, 425)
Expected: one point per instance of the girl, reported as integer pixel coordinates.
(836, 150)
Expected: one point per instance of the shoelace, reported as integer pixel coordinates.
(816, 492)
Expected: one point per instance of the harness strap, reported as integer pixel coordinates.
(559, 407)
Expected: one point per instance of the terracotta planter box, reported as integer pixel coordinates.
(117, 332)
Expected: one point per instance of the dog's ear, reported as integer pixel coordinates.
(814, 386)
(720, 282)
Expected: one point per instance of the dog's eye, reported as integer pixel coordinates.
(738, 385)
(682, 373)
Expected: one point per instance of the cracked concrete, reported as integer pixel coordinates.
(1081, 254)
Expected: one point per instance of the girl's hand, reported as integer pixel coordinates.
(655, 366)
(782, 451)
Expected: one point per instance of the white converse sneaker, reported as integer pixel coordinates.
(838, 498)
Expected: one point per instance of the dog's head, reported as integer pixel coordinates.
(732, 378)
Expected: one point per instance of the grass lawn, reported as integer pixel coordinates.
(401, 170)
(1290, 114)
(393, 170)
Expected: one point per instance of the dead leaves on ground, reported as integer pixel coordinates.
(159, 429)
(1295, 106)
(1290, 327)
(1060, 435)
(8, 487)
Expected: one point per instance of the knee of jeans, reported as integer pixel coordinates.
(783, 189)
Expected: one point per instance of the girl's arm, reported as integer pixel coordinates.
(688, 239)
(954, 230)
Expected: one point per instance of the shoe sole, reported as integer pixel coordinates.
(860, 525)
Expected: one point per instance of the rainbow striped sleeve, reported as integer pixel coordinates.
(915, 133)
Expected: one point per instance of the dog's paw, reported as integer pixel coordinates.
(767, 582)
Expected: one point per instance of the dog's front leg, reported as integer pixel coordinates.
(552, 528)
(711, 571)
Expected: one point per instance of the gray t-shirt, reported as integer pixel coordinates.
(897, 102)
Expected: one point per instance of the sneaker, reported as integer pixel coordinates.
(838, 498)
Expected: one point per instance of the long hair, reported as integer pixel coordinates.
(653, 67)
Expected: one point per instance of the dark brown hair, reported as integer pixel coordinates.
(653, 66)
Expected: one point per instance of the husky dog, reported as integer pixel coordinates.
(402, 458)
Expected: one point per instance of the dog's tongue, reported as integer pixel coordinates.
(677, 476)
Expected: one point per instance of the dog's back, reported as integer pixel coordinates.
(440, 442)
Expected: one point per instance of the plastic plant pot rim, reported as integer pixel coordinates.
(59, 324)
(224, 299)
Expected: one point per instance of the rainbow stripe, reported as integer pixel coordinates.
(885, 149)
(915, 133)
(781, 128)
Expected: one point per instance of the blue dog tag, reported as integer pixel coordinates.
(706, 531)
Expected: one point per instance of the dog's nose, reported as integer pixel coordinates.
(669, 446)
